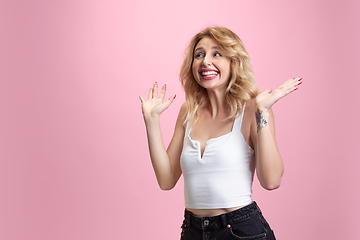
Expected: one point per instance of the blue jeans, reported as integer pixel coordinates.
(245, 223)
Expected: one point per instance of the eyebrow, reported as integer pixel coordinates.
(201, 48)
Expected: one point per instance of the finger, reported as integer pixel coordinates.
(287, 83)
(169, 101)
(141, 99)
(162, 93)
(299, 81)
(290, 84)
(296, 83)
(290, 90)
(267, 91)
(150, 94)
(155, 93)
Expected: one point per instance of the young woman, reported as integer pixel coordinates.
(224, 131)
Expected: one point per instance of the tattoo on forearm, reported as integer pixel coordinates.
(260, 121)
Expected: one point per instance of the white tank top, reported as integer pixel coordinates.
(223, 177)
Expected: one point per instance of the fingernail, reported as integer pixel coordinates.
(300, 79)
(174, 96)
(295, 89)
(299, 83)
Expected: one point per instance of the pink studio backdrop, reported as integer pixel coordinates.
(74, 162)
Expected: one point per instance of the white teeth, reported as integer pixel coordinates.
(209, 73)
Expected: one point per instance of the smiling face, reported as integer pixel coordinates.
(211, 69)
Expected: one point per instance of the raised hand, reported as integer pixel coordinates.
(267, 98)
(155, 105)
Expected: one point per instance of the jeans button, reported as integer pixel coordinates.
(206, 222)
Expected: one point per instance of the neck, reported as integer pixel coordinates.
(218, 106)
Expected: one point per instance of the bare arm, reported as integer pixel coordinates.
(166, 164)
(269, 164)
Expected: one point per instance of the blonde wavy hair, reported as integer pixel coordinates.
(241, 86)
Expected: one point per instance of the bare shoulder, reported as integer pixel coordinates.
(182, 116)
(183, 110)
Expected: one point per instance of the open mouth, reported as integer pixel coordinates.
(209, 73)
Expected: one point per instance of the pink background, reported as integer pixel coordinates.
(74, 162)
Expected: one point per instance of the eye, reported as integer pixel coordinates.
(198, 55)
(217, 54)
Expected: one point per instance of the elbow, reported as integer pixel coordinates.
(167, 183)
(271, 185)
(166, 187)
(271, 181)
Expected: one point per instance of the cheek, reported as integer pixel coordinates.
(228, 68)
(194, 70)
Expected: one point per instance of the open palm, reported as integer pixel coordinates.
(267, 98)
(155, 104)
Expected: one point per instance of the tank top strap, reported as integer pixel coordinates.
(187, 129)
(238, 120)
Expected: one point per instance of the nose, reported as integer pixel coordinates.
(205, 62)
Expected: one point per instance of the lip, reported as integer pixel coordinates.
(208, 70)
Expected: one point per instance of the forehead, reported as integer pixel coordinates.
(207, 43)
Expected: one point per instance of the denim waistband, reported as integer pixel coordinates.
(216, 222)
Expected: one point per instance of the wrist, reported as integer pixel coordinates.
(261, 108)
(151, 117)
